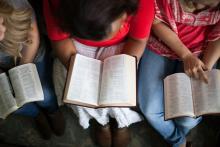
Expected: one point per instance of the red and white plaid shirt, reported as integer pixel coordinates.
(194, 30)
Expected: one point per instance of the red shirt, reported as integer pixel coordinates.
(137, 26)
(194, 30)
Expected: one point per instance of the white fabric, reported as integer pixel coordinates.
(123, 116)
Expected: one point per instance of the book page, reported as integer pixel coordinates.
(26, 84)
(178, 96)
(83, 80)
(207, 96)
(118, 86)
(7, 101)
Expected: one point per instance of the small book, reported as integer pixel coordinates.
(20, 87)
(94, 83)
(185, 96)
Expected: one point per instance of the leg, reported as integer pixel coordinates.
(44, 67)
(152, 70)
(30, 109)
(185, 124)
(49, 104)
(33, 109)
(121, 137)
(102, 134)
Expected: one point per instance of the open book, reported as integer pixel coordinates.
(186, 96)
(93, 83)
(20, 87)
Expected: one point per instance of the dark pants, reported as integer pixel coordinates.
(44, 66)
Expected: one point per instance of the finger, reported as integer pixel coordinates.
(188, 72)
(202, 75)
(195, 73)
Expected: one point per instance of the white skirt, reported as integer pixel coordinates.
(123, 116)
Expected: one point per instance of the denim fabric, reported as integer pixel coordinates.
(152, 70)
(44, 67)
(6, 61)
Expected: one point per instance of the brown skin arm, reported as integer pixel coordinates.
(212, 54)
(135, 47)
(163, 32)
(193, 66)
(64, 49)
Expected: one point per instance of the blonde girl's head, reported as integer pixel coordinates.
(18, 24)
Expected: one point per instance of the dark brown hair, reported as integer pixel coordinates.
(91, 19)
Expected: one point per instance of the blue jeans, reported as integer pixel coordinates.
(44, 66)
(152, 70)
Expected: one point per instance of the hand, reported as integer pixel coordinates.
(194, 67)
(2, 29)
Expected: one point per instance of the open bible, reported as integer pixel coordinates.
(185, 96)
(93, 83)
(20, 87)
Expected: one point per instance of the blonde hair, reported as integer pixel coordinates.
(18, 24)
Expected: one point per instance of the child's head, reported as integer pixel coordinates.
(200, 5)
(17, 23)
(94, 19)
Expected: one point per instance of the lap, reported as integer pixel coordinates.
(153, 69)
(124, 116)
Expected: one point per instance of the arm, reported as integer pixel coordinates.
(212, 54)
(193, 66)
(64, 49)
(163, 32)
(140, 27)
(31, 47)
(135, 47)
(61, 43)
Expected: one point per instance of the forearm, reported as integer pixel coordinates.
(135, 47)
(193, 66)
(170, 39)
(212, 54)
(31, 47)
(64, 50)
